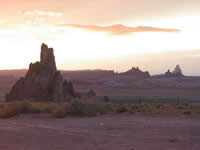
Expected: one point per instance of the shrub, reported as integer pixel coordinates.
(24, 107)
(195, 106)
(9, 110)
(144, 108)
(108, 108)
(47, 109)
(60, 110)
(159, 106)
(89, 109)
(122, 109)
(180, 106)
(187, 113)
(43, 107)
(34, 109)
(106, 99)
(134, 107)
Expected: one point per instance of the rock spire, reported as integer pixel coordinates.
(42, 81)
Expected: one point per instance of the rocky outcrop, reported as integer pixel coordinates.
(42, 81)
(136, 72)
(176, 73)
(168, 73)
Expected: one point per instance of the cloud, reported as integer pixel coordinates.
(195, 55)
(120, 29)
(2, 21)
(43, 13)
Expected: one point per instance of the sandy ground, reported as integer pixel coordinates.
(109, 132)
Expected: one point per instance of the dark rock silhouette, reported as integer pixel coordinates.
(42, 81)
(136, 72)
(176, 73)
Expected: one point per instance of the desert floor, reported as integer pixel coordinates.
(108, 132)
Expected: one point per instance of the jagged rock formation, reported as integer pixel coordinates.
(176, 73)
(136, 72)
(42, 81)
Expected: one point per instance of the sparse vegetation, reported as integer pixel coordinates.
(180, 106)
(80, 108)
(187, 112)
(88, 107)
(10, 110)
(144, 108)
(122, 109)
(24, 107)
(59, 111)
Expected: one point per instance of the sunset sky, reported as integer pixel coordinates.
(102, 34)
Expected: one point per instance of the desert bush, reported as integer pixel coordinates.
(59, 111)
(35, 107)
(80, 108)
(106, 99)
(134, 107)
(158, 106)
(28, 107)
(108, 108)
(187, 112)
(10, 110)
(144, 108)
(121, 109)
(180, 106)
(43, 107)
(195, 106)
(24, 107)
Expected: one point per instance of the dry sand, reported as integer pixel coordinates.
(109, 132)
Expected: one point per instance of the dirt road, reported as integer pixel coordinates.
(109, 132)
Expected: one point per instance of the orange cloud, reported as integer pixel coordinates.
(120, 29)
(43, 13)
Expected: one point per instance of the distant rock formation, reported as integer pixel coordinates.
(42, 81)
(136, 72)
(168, 73)
(176, 73)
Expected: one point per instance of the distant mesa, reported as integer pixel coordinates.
(176, 73)
(42, 81)
(136, 72)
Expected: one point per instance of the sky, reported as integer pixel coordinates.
(154, 35)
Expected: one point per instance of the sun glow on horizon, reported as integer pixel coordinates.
(21, 43)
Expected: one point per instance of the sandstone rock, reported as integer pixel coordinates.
(176, 73)
(136, 72)
(42, 81)
(177, 70)
(47, 58)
